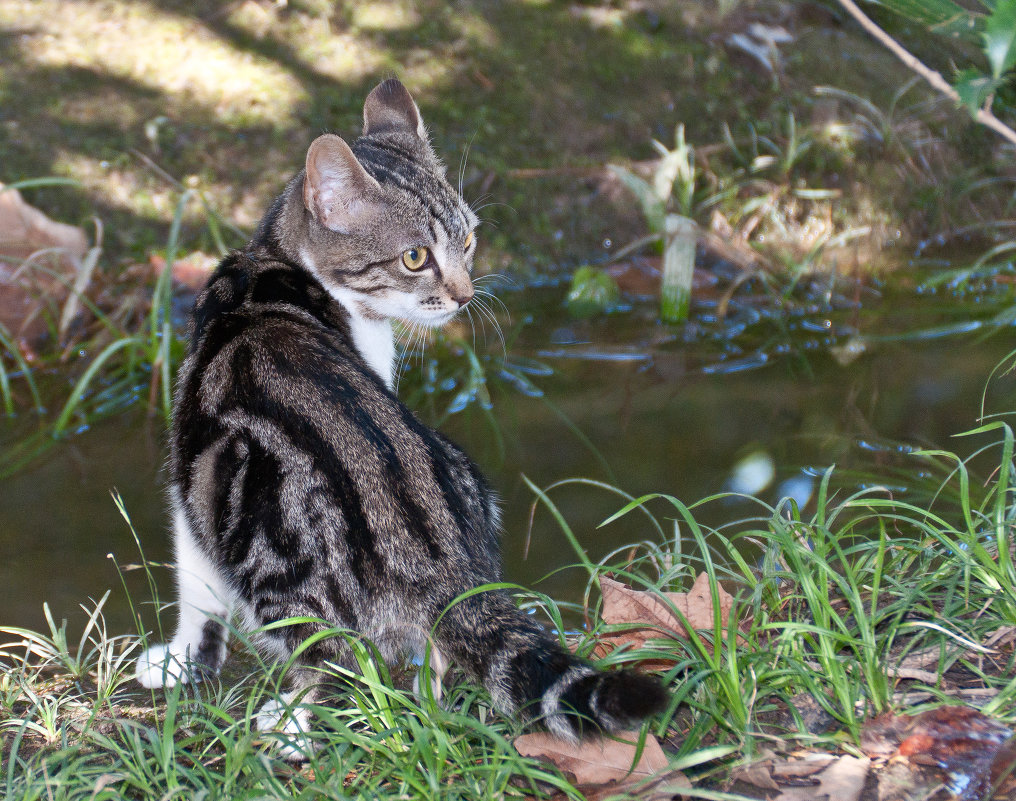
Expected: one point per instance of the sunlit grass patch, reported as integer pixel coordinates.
(181, 57)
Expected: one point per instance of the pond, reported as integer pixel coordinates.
(617, 398)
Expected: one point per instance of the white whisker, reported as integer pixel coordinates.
(485, 294)
(401, 341)
(483, 324)
(472, 324)
(504, 278)
(464, 160)
(486, 312)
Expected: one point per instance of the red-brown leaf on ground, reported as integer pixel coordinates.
(651, 618)
(596, 761)
(975, 750)
(190, 271)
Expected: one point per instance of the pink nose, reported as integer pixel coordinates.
(464, 298)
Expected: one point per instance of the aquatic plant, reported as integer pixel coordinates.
(668, 203)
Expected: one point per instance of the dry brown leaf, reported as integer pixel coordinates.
(801, 768)
(622, 604)
(190, 271)
(24, 230)
(596, 761)
(651, 617)
(843, 780)
(756, 774)
(28, 234)
(974, 750)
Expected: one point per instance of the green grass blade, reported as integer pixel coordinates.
(85, 381)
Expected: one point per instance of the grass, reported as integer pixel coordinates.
(829, 606)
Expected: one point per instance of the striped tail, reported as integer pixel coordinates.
(529, 674)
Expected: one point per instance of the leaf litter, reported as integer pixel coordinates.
(647, 615)
(40, 260)
(904, 756)
(602, 767)
(977, 753)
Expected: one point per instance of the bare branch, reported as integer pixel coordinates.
(983, 115)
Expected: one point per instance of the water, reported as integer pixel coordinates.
(680, 411)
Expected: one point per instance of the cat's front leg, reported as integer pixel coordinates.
(203, 601)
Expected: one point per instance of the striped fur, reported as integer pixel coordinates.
(302, 486)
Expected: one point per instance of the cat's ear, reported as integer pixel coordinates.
(390, 107)
(337, 190)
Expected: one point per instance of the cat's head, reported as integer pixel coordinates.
(388, 235)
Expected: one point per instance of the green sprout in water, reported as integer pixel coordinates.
(668, 202)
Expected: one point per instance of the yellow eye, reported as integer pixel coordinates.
(415, 258)
(468, 242)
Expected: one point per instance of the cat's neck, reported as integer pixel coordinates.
(374, 339)
(372, 336)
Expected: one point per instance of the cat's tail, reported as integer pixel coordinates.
(528, 673)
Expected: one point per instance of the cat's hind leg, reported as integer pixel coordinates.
(290, 717)
(203, 601)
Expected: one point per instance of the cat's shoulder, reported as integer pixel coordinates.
(245, 293)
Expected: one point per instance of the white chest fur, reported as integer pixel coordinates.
(372, 337)
(376, 343)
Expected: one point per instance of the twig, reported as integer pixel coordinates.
(158, 170)
(983, 115)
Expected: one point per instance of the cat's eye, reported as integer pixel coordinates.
(415, 258)
(468, 242)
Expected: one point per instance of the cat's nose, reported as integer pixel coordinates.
(463, 297)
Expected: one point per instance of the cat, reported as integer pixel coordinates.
(302, 487)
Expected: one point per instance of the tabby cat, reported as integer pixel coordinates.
(302, 487)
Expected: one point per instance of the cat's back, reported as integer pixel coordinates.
(273, 373)
(269, 349)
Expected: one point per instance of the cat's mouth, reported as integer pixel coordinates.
(434, 318)
(434, 312)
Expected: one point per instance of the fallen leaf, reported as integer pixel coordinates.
(25, 230)
(662, 787)
(596, 761)
(756, 774)
(190, 271)
(801, 768)
(27, 235)
(650, 615)
(842, 780)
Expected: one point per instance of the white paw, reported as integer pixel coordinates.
(438, 668)
(294, 724)
(161, 666)
(271, 713)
